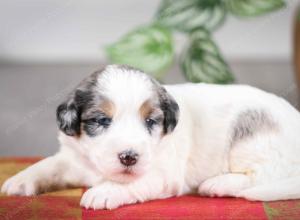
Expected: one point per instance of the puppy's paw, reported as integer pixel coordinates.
(22, 184)
(214, 188)
(211, 188)
(224, 185)
(106, 196)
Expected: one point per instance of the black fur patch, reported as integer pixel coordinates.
(169, 107)
(250, 122)
(68, 119)
(68, 114)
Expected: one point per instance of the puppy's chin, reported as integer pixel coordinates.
(125, 175)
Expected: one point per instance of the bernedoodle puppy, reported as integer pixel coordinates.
(131, 139)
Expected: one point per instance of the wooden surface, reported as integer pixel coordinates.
(297, 47)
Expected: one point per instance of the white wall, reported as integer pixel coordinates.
(70, 30)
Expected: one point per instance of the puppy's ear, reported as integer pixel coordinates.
(68, 114)
(68, 118)
(169, 107)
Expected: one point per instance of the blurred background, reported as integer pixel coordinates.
(47, 47)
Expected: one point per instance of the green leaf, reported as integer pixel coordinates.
(187, 15)
(248, 8)
(202, 62)
(149, 48)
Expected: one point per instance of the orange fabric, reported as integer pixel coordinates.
(65, 205)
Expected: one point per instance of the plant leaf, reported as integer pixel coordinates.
(191, 14)
(248, 8)
(202, 62)
(149, 48)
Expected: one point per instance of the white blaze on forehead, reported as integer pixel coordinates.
(125, 87)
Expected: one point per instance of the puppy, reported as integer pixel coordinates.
(132, 140)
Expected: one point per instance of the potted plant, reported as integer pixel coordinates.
(151, 47)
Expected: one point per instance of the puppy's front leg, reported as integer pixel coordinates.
(54, 171)
(110, 195)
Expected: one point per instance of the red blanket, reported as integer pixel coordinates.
(65, 205)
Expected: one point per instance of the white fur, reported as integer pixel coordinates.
(197, 156)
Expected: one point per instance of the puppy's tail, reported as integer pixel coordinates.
(280, 190)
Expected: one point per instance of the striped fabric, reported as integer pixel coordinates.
(65, 205)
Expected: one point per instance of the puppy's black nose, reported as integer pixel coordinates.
(128, 158)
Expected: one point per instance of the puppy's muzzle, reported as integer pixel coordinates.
(128, 158)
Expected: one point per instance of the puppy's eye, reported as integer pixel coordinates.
(150, 122)
(105, 121)
(94, 125)
(96, 122)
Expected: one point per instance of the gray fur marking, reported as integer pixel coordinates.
(250, 122)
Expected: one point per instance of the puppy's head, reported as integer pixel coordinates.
(117, 117)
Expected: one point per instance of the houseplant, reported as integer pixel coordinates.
(151, 46)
